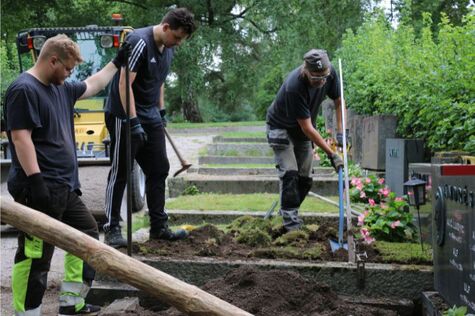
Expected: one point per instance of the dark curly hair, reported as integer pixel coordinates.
(180, 18)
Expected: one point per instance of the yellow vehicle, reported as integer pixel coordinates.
(98, 46)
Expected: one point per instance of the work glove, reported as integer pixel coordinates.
(339, 138)
(336, 161)
(137, 132)
(163, 114)
(39, 197)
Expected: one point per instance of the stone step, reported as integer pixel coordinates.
(198, 217)
(213, 159)
(221, 139)
(240, 149)
(322, 171)
(238, 184)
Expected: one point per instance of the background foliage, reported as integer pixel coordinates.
(231, 69)
(427, 81)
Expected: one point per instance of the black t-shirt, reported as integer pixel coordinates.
(48, 112)
(152, 68)
(296, 99)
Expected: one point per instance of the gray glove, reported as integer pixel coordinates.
(336, 161)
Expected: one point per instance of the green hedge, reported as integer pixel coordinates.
(427, 81)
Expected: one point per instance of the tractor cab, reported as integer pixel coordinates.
(98, 46)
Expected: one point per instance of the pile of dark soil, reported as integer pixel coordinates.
(280, 293)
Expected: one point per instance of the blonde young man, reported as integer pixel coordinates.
(44, 172)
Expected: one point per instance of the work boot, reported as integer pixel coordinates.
(166, 233)
(114, 238)
(87, 309)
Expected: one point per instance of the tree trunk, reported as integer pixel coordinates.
(185, 297)
(191, 112)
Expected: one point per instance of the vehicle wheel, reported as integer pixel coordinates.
(138, 188)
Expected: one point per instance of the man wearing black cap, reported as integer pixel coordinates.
(291, 129)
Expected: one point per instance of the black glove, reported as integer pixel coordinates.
(38, 193)
(336, 161)
(137, 132)
(339, 138)
(163, 114)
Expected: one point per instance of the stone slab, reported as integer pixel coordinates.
(326, 186)
(240, 150)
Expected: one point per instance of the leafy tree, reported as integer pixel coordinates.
(426, 81)
(411, 12)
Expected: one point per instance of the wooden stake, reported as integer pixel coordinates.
(104, 259)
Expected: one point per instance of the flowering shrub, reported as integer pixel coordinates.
(368, 188)
(389, 221)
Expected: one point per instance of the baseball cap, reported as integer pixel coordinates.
(316, 60)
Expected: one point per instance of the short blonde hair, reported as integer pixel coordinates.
(61, 46)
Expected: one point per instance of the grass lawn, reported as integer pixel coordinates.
(405, 252)
(213, 124)
(243, 202)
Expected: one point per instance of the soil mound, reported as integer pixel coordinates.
(281, 293)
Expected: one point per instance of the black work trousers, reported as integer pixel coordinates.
(152, 158)
(33, 256)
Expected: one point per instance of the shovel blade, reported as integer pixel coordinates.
(335, 245)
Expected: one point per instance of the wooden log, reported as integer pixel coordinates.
(185, 297)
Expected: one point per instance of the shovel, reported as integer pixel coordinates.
(335, 245)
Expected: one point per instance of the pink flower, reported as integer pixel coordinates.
(369, 240)
(359, 186)
(362, 194)
(364, 232)
(361, 218)
(395, 224)
(371, 202)
(381, 180)
(385, 192)
(354, 181)
(398, 199)
(366, 236)
(367, 180)
(383, 205)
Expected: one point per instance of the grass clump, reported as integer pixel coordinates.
(277, 252)
(404, 252)
(295, 238)
(252, 231)
(254, 237)
(313, 253)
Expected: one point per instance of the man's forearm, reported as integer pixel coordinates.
(26, 153)
(161, 101)
(318, 140)
(122, 94)
(99, 81)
